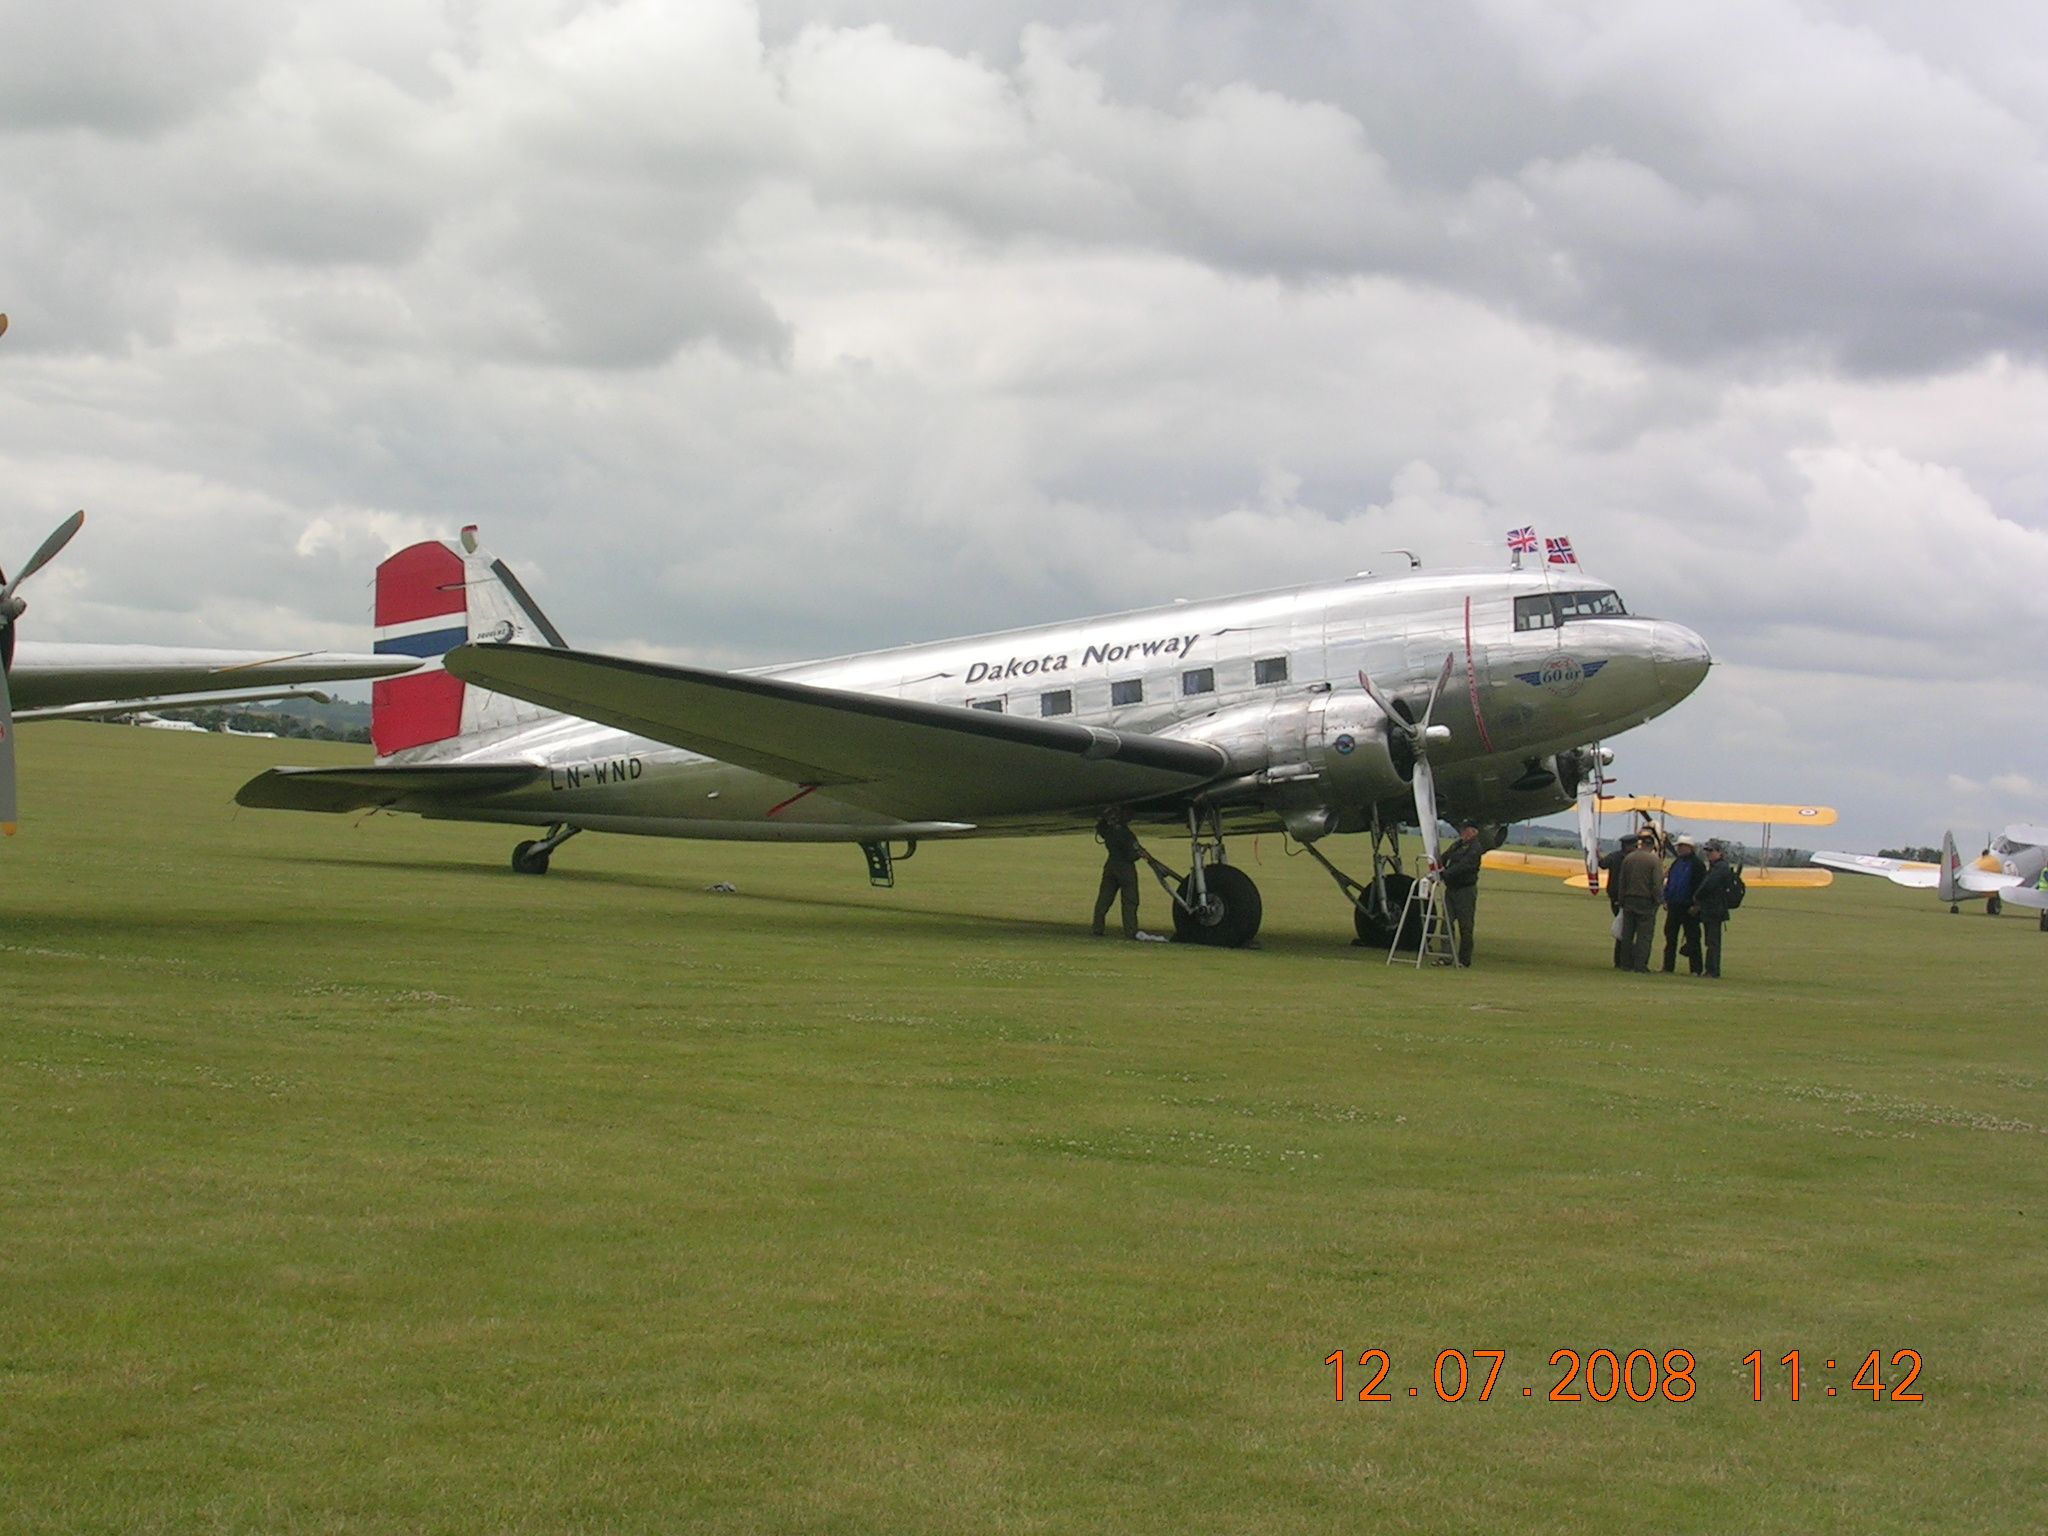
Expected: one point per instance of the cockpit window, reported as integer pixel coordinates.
(1589, 605)
(1547, 610)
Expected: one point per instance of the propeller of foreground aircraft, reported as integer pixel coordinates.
(1418, 735)
(11, 610)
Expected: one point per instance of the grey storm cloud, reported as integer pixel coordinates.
(758, 331)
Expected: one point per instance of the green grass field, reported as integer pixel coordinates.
(349, 1182)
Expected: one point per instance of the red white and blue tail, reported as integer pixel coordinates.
(431, 598)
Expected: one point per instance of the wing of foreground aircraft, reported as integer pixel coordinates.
(68, 679)
(913, 760)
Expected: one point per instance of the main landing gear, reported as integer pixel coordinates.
(532, 858)
(1381, 914)
(1215, 903)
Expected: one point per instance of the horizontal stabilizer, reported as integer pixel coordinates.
(2031, 897)
(417, 786)
(1724, 810)
(914, 760)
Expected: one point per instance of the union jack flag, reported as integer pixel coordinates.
(1559, 552)
(1523, 541)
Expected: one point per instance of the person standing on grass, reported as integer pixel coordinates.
(1711, 902)
(1460, 868)
(1640, 885)
(1680, 916)
(1121, 852)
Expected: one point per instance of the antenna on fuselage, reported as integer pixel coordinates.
(1414, 561)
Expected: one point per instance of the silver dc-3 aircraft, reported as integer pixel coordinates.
(51, 679)
(1343, 707)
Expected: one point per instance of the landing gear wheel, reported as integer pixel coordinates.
(526, 862)
(1229, 918)
(1993, 906)
(1376, 932)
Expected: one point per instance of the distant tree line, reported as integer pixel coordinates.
(1918, 855)
(277, 722)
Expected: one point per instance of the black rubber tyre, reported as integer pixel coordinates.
(1376, 932)
(1231, 917)
(526, 862)
(1993, 906)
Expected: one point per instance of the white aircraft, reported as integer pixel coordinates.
(2008, 870)
(1317, 710)
(46, 681)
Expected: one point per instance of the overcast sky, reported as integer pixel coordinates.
(757, 331)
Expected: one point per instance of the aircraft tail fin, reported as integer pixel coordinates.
(430, 598)
(1950, 886)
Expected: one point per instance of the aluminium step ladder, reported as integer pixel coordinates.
(1436, 946)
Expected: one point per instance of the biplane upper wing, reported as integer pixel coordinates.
(1723, 810)
(915, 760)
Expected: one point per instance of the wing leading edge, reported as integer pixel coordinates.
(914, 760)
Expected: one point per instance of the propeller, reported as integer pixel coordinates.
(1419, 735)
(11, 609)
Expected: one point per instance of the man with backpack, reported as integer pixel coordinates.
(1719, 892)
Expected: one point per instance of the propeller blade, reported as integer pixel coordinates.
(1429, 709)
(1425, 809)
(59, 537)
(6, 757)
(1380, 701)
(1589, 832)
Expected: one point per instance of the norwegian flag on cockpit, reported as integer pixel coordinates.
(1559, 552)
(1522, 541)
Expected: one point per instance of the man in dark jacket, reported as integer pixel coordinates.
(1711, 902)
(1610, 870)
(1640, 884)
(1121, 850)
(1683, 878)
(1460, 866)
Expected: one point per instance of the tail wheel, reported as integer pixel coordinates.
(1377, 932)
(1230, 915)
(527, 862)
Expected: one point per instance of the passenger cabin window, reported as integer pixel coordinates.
(1059, 702)
(1201, 680)
(1270, 669)
(993, 706)
(1130, 691)
(1547, 610)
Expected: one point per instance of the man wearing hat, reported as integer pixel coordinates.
(1683, 878)
(1460, 866)
(1710, 900)
(1640, 885)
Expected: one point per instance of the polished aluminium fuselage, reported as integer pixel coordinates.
(1515, 699)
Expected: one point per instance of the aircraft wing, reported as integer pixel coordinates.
(1724, 810)
(1573, 872)
(1914, 873)
(915, 760)
(2032, 836)
(53, 675)
(2025, 896)
(1514, 862)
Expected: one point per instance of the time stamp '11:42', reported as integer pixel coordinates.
(1640, 1376)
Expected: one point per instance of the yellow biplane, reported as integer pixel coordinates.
(1655, 813)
